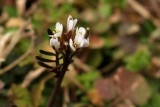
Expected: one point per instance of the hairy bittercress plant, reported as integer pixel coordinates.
(66, 45)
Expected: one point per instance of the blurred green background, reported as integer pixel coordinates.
(121, 68)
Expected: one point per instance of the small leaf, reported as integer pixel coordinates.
(3, 98)
(95, 55)
(44, 60)
(154, 101)
(21, 96)
(11, 11)
(44, 65)
(47, 53)
(141, 59)
(102, 26)
(105, 10)
(88, 78)
(10, 29)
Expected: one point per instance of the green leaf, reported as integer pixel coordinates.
(21, 96)
(3, 98)
(117, 3)
(36, 22)
(154, 101)
(139, 60)
(88, 78)
(10, 29)
(11, 11)
(23, 45)
(67, 7)
(95, 58)
(101, 26)
(105, 10)
(110, 41)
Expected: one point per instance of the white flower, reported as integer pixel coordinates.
(77, 43)
(86, 42)
(81, 31)
(71, 23)
(54, 42)
(71, 44)
(79, 40)
(58, 30)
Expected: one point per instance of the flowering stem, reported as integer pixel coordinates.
(59, 81)
(57, 60)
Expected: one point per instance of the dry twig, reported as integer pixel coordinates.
(32, 75)
(144, 12)
(81, 65)
(14, 40)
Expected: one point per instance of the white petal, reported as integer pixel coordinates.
(69, 18)
(71, 44)
(59, 27)
(57, 35)
(68, 22)
(79, 40)
(70, 25)
(55, 43)
(50, 35)
(74, 23)
(51, 42)
(82, 31)
(86, 42)
(77, 31)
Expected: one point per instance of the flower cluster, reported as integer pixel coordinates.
(73, 38)
(66, 45)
